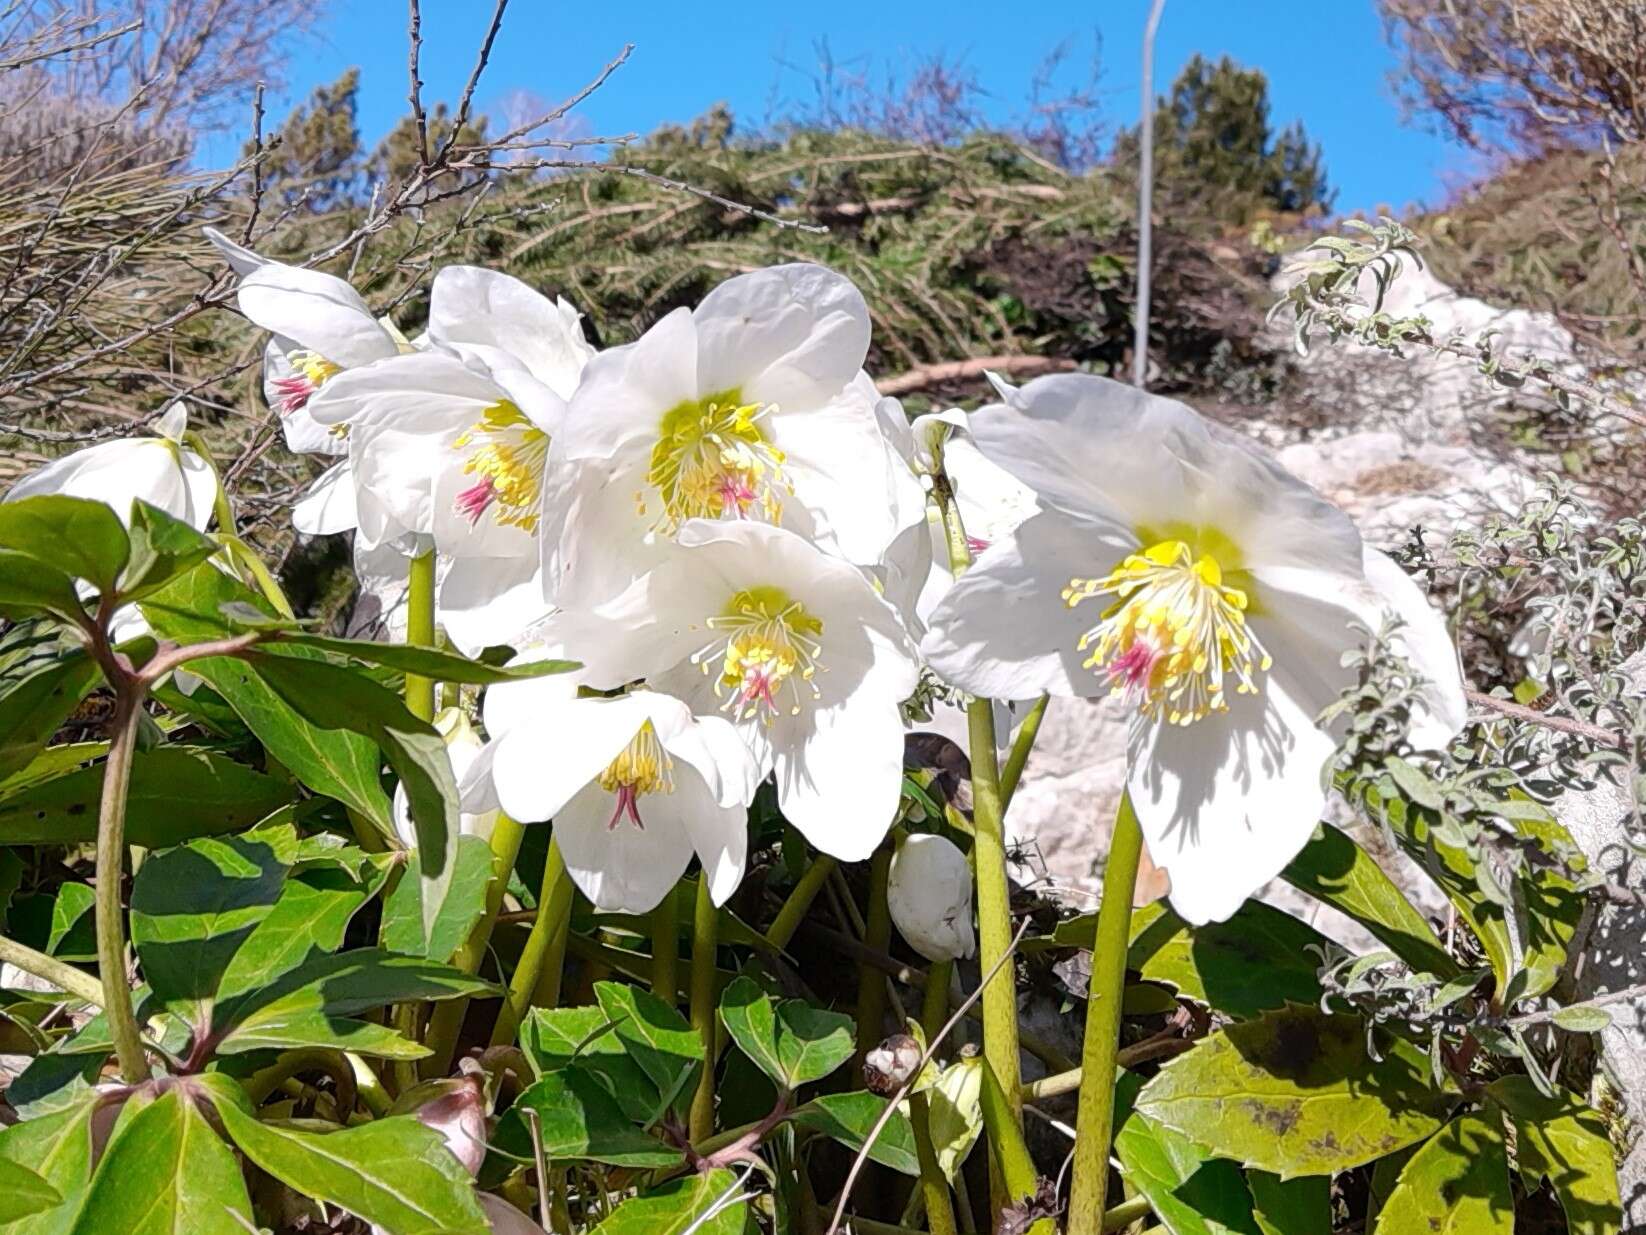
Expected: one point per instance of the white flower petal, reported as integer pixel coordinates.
(841, 786)
(719, 834)
(622, 868)
(791, 335)
(240, 259)
(487, 601)
(329, 505)
(539, 766)
(1004, 631)
(495, 312)
(319, 311)
(714, 747)
(626, 390)
(1225, 803)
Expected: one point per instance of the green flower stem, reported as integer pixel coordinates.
(666, 947)
(934, 1188)
(877, 934)
(1000, 1038)
(239, 551)
(420, 632)
(446, 1021)
(794, 909)
(61, 974)
(705, 926)
(1018, 757)
(111, 858)
(1124, 1214)
(1095, 1121)
(1011, 1152)
(934, 1000)
(546, 994)
(554, 901)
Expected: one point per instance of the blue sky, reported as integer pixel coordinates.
(1326, 62)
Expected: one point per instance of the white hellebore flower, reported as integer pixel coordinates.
(793, 645)
(449, 445)
(463, 748)
(754, 407)
(160, 470)
(929, 893)
(635, 785)
(1180, 570)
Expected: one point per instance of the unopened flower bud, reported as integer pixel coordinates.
(888, 1067)
(929, 894)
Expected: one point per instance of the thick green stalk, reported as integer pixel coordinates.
(994, 920)
(800, 900)
(420, 632)
(64, 976)
(554, 902)
(446, 1020)
(705, 928)
(111, 860)
(546, 994)
(877, 934)
(934, 1188)
(666, 947)
(1095, 1121)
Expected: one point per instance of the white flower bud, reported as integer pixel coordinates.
(929, 894)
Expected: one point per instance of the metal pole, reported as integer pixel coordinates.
(1145, 199)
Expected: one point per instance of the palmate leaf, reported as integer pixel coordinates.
(166, 1171)
(393, 1172)
(655, 1036)
(1457, 1183)
(56, 1147)
(556, 1038)
(1295, 1093)
(162, 547)
(849, 1117)
(72, 535)
(457, 911)
(578, 1120)
(702, 1204)
(1190, 1191)
(792, 1042)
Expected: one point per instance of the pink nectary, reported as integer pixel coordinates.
(628, 803)
(474, 501)
(736, 494)
(976, 544)
(1134, 667)
(295, 393)
(757, 688)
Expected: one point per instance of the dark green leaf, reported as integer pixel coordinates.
(1301, 1206)
(1296, 1093)
(73, 934)
(1457, 1183)
(177, 793)
(578, 1120)
(1338, 872)
(1190, 1191)
(307, 921)
(459, 909)
(428, 662)
(1565, 1142)
(849, 1117)
(656, 1037)
(555, 1038)
(193, 907)
(166, 1172)
(393, 1171)
(682, 1206)
(162, 548)
(68, 534)
(793, 1043)
(35, 705)
(301, 1029)
(1256, 961)
(28, 585)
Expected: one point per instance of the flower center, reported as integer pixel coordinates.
(310, 371)
(771, 643)
(508, 467)
(712, 461)
(642, 767)
(1175, 637)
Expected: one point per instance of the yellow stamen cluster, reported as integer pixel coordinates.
(1176, 637)
(313, 366)
(712, 460)
(511, 460)
(643, 766)
(770, 643)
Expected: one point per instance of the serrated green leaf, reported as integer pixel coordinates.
(1337, 872)
(193, 907)
(578, 1121)
(792, 1042)
(177, 793)
(1563, 1141)
(659, 1040)
(700, 1204)
(1294, 1092)
(166, 1171)
(1190, 1191)
(308, 921)
(1256, 961)
(68, 534)
(35, 704)
(393, 1172)
(849, 1117)
(459, 909)
(162, 547)
(556, 1038)
(1457, 1183)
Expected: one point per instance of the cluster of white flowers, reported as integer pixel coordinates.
(732, 532)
